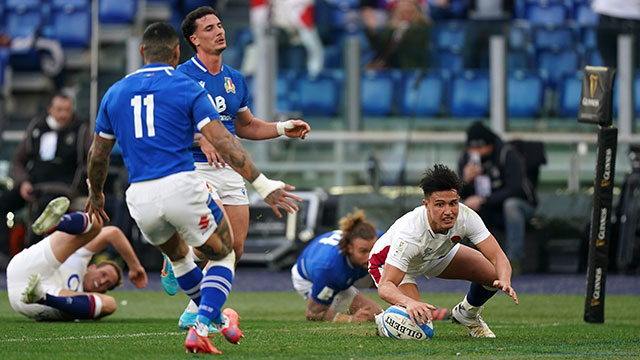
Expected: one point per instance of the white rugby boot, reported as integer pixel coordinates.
(51, 215)
(474, 324)
(33, 293)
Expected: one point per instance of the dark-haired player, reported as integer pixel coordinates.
(424, 242)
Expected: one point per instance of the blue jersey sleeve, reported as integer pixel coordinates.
(244, 103)
(204, 110)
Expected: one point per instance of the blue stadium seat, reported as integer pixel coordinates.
(546, 13)
(422, 94)
(71, 22)
(319, 96)
(448, 59)
(22, 17)
(519, 59)
(552, 37)
(584, 16)
(4, 61)
(592, 57)
(557, 63)
(117, 11)
(333, 56)
(377, 93)
(519, 34)
(588, 37)
(525, 94)
(569, 92)
(285, 95)
(469, 94)
(450, 35)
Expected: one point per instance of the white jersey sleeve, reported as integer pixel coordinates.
(401, 253)
(475, 228)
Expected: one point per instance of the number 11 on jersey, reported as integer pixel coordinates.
(136, 103)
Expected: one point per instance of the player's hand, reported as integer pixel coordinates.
(213, 156)
(420, 312)
(138, 276)
(363, 314)
(506, 287)
(26, 191)
(280, 197)
(94, 206)
(300, 129)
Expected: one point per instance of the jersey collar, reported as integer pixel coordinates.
(201, 66)
(154, 67)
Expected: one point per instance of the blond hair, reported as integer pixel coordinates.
(355, 225)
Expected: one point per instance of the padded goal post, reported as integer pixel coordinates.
(596, 107)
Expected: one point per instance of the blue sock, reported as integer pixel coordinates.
(190, 283)
(215, 289)
(74, 223)
(78, 306)
(478, 294)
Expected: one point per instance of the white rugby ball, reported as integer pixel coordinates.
(397, 324)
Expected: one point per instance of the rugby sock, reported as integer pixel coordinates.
(74, 223)
(189, 277)
(78, 306)
(215, 289)
(476, 297)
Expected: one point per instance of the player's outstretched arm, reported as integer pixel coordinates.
(237, 157)
(492, 251)
(114, 236)
(320, 312)
(249, 127)
(97, 169)
(420, 312)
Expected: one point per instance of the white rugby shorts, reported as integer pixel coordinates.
(38, 258)
(341, 302)
(179, 202)
(227, 184)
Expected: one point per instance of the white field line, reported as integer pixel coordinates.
(120, 336)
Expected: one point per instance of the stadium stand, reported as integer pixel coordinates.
(23, 17)
(552, 37)
(117, 11)
(320, 95)
(558, 62)
(469, 95)
(377, 92)
(546, 13)
(525, 94)
(71, 22)
(569, 95)
(422, 94)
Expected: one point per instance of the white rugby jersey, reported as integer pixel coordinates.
(410, 243)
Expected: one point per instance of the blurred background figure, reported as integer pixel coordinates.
(616, 17)
(48, 161)
(403, 42)
(497, 188)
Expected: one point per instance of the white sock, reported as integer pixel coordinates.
(468, 309)
(202, 329)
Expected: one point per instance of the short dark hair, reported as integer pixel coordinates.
(355, 225)
(60, 94)
(189, 23)
(440, 178)
(159, 40)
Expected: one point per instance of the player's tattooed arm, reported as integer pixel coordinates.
(196, 140)
(98, 162)
(231, 149)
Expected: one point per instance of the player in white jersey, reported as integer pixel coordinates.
(152, 114)
(425, 242)
(52, 280)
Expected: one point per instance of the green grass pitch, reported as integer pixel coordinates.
(145, 327)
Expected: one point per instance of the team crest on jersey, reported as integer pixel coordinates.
(229, 86)
(455, 239)
(201, 83)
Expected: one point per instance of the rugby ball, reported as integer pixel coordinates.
(396, 324)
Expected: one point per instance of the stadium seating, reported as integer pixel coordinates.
(519, 34)
(525, 94)
(71, 22)
(551, 13)
(469, 94)
(557, 63)
(4, 61)
(552, 37)
(592, 57)
(569, 95)
(422, 93)
(117, 11)
(319, 96)
(23, 17)
(450, 35)
(519, 59)
(584, 15)
(377, 93)
(588, 37)
(448, 59)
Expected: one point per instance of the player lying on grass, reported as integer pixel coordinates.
(425, 242)
(51, 280)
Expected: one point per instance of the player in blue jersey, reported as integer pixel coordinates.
(329, 266)
(203, 31)
(152, 114)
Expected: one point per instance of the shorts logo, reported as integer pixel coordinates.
(204, 222)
